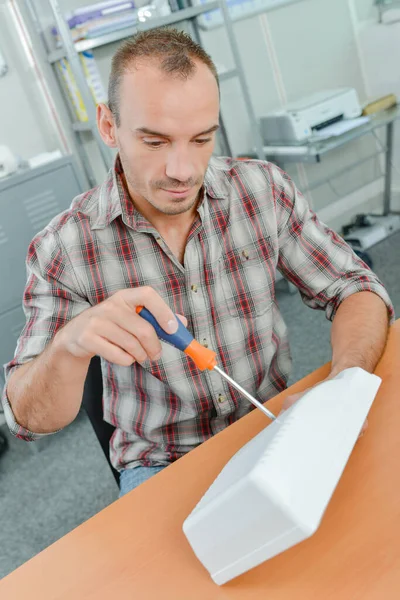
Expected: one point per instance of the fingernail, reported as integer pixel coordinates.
(172, 326)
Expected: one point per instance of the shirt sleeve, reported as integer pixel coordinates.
(51, 298)
(313, 257)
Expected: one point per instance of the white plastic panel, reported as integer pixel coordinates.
(273, 493)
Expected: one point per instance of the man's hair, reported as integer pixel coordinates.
(174, 50)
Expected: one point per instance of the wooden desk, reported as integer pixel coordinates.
(135, 548)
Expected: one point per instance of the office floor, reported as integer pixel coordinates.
(47, 491)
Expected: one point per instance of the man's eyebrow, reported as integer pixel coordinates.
(148, 131)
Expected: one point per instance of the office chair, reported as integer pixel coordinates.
(3, 443)
(93, 406)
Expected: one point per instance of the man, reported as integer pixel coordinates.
(180, 232)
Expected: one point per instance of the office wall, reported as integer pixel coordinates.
(34, 114)
(295, 51)
(275, 48)
(380, 47)
(365, 10)
(286, 53)
(24, 125)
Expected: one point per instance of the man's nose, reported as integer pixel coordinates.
(180, 166)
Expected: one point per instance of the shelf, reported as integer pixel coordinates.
(225, 75)
(121, 34)
(312, 151)
(81, 126)
(383, 6)
(55, 56)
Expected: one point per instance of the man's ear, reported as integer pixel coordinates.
(106, 125)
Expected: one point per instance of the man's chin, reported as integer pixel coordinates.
(177, 208)
(176, 205)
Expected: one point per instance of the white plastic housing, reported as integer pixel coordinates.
(273, 493)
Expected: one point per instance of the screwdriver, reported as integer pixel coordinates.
(202, 357)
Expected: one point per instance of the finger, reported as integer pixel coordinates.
(131, 344)
(146, 296)
(141, 341)
(110, 352)
(135, 326)
(290, 400)
(363, 429)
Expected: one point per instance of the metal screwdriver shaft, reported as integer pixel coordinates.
(204, 358)
(245, 394)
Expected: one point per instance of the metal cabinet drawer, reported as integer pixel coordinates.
(28, 202)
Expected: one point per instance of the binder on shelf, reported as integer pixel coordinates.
(73, 92)
(97, 11)
(92, 76)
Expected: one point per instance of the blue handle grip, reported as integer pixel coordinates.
(181, 339)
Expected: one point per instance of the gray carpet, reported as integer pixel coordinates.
(50, 487)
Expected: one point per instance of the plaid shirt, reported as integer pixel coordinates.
(251, 222)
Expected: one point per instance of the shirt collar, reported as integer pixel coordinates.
(215, 180)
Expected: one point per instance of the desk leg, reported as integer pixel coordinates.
(388, 169)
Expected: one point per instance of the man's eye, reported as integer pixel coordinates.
(153, 144)
(202, 141)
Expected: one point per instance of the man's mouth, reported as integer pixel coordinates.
(178, 193)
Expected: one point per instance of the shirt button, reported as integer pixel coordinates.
(205, 343)
(245, 254)
(193, 288)
(221, 399)
(158, 239)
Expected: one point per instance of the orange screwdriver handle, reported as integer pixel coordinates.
(183, 340)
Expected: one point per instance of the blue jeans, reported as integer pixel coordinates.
(129, 479)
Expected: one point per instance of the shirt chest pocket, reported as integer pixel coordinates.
(247, 281)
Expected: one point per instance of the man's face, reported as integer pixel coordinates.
(166, 135)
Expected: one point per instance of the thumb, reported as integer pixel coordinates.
(150, 299)
(290, 400)
(183, 319)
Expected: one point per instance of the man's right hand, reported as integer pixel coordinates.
(114, 331)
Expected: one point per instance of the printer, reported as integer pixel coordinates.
(296, 123)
